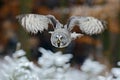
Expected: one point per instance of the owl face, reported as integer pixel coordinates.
(60, 39)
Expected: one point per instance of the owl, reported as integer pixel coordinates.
(62, 35)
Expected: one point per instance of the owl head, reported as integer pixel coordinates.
(60, 37)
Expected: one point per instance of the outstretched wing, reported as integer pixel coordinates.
(34, 22)
(88, 25)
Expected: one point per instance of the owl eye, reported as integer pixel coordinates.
(62, 38)
(56, 37)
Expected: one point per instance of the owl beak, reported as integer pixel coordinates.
(58, 43)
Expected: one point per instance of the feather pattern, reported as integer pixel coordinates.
(88, 25)
(33, 22)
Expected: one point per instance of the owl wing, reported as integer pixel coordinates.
(34, 22)
(88, 25)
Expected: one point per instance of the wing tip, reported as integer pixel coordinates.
(19, 17)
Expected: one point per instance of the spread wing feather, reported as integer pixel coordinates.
(33, 22)
(88, 25)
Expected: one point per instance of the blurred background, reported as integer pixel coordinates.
(104, 47)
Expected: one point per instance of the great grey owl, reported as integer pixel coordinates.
(61, 36)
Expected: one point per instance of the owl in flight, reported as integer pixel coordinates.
(61, 36)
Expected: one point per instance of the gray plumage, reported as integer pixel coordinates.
(62, 35)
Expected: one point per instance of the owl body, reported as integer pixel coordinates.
(61, 36)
